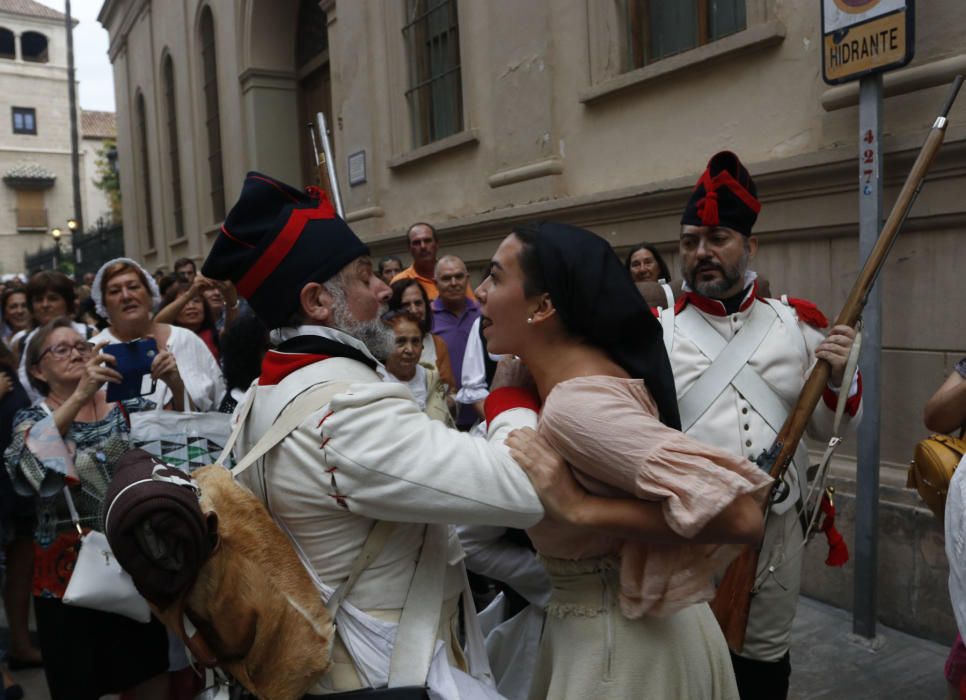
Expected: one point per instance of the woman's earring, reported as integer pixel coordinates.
(530, 319)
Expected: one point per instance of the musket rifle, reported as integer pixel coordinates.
(733, 600)
(322, 150)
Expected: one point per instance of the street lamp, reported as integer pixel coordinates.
(56, 233)
(72, 224)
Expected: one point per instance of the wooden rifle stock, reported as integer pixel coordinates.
(733, 599)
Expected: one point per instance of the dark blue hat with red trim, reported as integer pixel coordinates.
(275, 240)
(724, 196)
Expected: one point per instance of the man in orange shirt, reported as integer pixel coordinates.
(423, 246)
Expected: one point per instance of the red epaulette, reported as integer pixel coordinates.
(681, 302)
(808, 313)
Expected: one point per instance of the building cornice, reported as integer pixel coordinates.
(818, 175)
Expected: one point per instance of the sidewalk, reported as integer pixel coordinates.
(826, 664)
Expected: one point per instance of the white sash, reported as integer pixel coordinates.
(729, 367)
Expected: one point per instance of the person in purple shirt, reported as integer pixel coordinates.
(453, 317)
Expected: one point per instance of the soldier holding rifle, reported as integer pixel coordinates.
(739, 363)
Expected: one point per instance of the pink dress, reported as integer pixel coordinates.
(608, 431)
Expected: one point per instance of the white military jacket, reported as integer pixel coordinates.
(783, 359)
(372, 454)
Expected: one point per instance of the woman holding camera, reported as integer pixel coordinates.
(126, 295)
(73, 438)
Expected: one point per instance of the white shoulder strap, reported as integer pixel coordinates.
(784, 310)
(412, 650)
(375, 542)
(291, 417)
(667, 318)
(727, 359)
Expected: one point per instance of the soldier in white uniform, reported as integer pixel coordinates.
(739, 363)
(368, 455)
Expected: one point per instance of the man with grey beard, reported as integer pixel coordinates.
(365, 453)
(740, 361)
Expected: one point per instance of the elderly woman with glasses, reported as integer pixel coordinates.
(67, 445)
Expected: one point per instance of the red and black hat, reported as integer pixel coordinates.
(724, 196)
(275, 240)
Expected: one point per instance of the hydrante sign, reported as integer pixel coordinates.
(865, 36)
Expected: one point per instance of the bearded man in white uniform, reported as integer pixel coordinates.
(739, 363)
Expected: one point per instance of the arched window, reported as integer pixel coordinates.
(8, 44)
(145, 167)
(33, 47)
(173, 161)
(212, 115)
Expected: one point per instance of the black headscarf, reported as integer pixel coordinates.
(597, 301)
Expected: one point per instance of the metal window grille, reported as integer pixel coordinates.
(173, 158)
(212, 115)
(142, 119)
(435, 95)
(657, 29)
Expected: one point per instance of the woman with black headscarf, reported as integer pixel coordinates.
(628, 615)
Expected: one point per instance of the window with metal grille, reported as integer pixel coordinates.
(435, 94)
(145, 167)
(24, 120)
(174, 162)
(657, 29)
(212, 114)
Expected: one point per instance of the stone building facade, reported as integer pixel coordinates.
(35, 166)
(477, 115)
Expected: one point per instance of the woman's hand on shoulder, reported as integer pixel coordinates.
(562, 497)
(97, 371)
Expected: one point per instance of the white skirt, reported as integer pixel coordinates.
(590, 650)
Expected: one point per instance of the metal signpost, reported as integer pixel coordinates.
(862, 39)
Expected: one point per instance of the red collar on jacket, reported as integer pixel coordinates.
(278, 365)
(713, 307)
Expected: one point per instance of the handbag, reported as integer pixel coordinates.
(187, 440)
(933, 463)
(98, 581)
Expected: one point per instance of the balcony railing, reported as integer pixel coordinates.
(31, 218)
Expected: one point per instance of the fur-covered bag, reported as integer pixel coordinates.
(250, 607)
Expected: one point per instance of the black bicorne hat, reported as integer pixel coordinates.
(275, 240)
(724, 196)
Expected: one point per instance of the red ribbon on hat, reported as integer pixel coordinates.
(708, 206)
(283, 243)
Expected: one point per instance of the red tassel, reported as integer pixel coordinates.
(838, 551)
(708, 209)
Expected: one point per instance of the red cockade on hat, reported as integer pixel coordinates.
(708, 207)
(725, 195)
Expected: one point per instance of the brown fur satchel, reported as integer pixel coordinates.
(256, 610)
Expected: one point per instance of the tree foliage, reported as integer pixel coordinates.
(108, 178)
